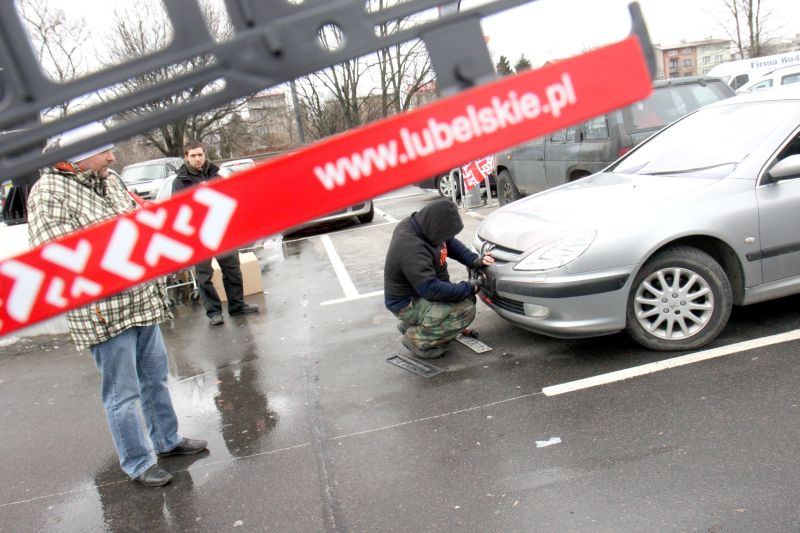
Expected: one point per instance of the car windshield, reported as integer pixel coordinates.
(709, 143)
(668, 104)
(143, 173)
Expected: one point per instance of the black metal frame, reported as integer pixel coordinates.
(273, 41)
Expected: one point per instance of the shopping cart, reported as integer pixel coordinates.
(178, 284)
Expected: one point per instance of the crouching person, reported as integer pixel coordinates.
(417, 286)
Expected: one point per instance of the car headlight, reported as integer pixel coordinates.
(557, 251)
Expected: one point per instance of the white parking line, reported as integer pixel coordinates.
(348, 287)
(649, 368)
(350, 299)
(386, 216)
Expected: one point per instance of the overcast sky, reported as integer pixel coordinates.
(552, 29)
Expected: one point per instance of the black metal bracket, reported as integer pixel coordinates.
(273, 41)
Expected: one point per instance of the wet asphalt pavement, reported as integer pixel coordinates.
(310, 429)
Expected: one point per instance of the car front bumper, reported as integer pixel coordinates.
(557, 303)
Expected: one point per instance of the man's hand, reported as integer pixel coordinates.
(484, 261)
(476, 281)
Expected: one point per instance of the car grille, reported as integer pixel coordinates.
(506, 304)
(500, 253)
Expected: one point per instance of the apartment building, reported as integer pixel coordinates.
(695, 58)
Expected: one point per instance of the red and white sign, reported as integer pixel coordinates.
(364, 163)
(477, 171)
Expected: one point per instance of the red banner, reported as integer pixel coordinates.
(475, 172)
(340, 171)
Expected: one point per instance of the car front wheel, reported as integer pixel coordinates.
(443, 185)
(680, 300)
(507, 192)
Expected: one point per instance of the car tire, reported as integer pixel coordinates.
(367, 217)
(507, 192)
(443, 186)
(661, 320)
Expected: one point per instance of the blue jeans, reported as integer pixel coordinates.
(134, 368)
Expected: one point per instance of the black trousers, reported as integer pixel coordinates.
(231, 280)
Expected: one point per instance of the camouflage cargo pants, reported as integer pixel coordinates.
(435, 323)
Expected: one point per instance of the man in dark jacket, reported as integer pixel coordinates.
(417, 286)
(197, 169)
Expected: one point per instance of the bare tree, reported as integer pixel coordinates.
(404, 68)
(56, 41)
(367, 88)
(331, 97)
(748, 26)
(143, 28)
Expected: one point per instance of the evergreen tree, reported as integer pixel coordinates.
(522, 64)
(504, 67)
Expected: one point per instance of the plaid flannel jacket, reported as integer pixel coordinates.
(65, 199)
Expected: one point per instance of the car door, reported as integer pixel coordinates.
(526, 162)
(778, 205)
(561, 153)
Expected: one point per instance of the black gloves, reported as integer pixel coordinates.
(476, 282)
(478, 263)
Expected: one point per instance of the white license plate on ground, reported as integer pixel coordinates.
(473, 344)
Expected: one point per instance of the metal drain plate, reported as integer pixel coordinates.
(416, 366)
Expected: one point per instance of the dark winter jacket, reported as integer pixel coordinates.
(189, 177)
(416, 262)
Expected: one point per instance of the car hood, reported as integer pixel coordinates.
(595, 202)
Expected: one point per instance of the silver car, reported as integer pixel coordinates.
(702, 216)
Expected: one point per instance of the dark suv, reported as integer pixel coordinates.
(584, 149)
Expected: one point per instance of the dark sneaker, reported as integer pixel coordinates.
(246, 309)
(429, 353)
(402, 326)
(215, 320)
(155, 476)
(186, 447)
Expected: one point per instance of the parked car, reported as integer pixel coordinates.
(363, 212)
(780, 76)
(584, 149)
(228, 168)
(147, 177)
(700, 217)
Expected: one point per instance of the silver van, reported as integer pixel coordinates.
(587, 148)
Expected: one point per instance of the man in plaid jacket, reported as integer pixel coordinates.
(121, 331)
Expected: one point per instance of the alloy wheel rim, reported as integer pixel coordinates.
(444, 186)
(674, 303)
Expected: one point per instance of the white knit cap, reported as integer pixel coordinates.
(80, 133)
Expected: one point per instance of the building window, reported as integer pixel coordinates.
(706, 59)
(673, 64)
(687, 62)
(672, 52)
(718, 58)
(686, 51)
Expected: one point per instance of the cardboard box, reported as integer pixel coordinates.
(251, 276)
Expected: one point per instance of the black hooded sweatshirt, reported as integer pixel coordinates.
(416, 262)
(189, 177)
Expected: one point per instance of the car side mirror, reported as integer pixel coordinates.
(788, 167)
